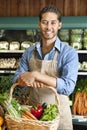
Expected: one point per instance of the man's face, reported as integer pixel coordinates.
(49, 25)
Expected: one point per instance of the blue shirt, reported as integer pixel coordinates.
(67, 65)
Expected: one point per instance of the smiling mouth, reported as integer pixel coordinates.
(48, 32)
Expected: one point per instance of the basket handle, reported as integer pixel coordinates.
(11, 91)
(16, 84)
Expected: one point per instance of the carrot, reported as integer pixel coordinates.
(28, 113)
(25, 116)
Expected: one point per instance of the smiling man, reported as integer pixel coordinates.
(50, 62)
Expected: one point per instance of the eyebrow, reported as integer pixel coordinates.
(48, 20)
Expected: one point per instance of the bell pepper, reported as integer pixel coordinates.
(37, 111)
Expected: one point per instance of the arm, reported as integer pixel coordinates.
(23, 65)
(46, 79)
(34, 77)
(67, 81)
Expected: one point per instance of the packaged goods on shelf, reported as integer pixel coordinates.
(85, 41)
(79, 66)
(76, 31)
(4, 45)
(64, 34)
(84, 65)
(76, 45)
(8, 63)
(25, 45)
(85, 31)
(30, 32)
(14, 45)
(76, 38)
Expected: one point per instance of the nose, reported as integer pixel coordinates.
(48, 25)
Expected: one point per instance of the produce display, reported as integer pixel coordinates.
(5, 83)
(14, 45)
(76, 41)
(85, 39)
(85, 43)
(76, 45)
(77, 38)
(82, 66)
(80, 98)
(9, 63)
(25, 45)
(4, 45)
(80, 104)
(76, 31)
(64, 35)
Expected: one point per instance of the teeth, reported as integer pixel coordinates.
(48, 32)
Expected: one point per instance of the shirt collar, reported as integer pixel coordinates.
(57, 44)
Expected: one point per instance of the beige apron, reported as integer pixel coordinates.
(41, 95)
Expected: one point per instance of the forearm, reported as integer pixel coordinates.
(46, 79)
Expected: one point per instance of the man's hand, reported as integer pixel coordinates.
(36, 79)
(37, 84)
(26, 79)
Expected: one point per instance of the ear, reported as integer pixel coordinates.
(60, 25)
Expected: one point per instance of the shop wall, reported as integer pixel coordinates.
(32, 7)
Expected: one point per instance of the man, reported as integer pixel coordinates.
(50, 62)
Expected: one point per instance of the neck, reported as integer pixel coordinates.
(47, 45)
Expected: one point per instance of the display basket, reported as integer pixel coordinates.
(29, 124)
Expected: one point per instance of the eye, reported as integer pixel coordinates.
(53, 22)
(44, 22)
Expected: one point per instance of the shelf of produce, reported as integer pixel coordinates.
(82, 73)
(11, 51)
(7, 70)
(79, 122)
(82, 51)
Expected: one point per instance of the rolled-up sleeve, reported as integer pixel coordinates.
(69, 72)
(23, 65)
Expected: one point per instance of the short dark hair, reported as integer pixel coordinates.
(50, 9)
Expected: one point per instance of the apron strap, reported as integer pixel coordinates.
(34, 53)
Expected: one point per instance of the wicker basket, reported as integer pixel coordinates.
(28, 124)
